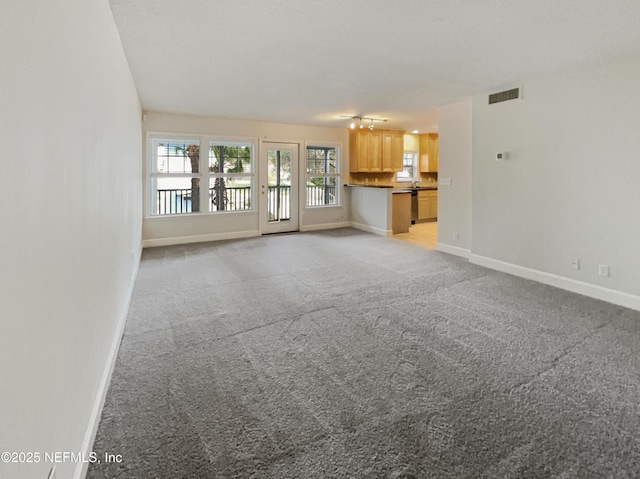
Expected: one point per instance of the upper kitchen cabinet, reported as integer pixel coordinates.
(365, 151)
(392, 150)
(375, 151)
(429, 153)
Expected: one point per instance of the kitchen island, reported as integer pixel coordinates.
(382, 210)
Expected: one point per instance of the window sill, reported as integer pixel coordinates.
(322, 207)
(200, 215)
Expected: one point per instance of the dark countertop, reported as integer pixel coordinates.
(369, 186)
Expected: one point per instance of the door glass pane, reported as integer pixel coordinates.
(279, 184)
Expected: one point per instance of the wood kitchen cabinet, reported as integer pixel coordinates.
(427, 204)
(392, 150)
(375, 151)
(429, 153)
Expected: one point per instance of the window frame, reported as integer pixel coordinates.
(204, 175)
(337, 175)
(152, 174)
(227, 141)
(416, 173)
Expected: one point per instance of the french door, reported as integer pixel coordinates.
(278, 187)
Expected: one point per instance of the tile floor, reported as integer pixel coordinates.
(422, 234)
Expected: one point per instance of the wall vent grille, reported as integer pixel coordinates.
(506, 95)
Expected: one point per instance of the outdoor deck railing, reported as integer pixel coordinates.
(238, 198)
(320, 195)
(235, 198)
(279, 203)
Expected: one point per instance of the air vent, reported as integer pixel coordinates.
(506, 95)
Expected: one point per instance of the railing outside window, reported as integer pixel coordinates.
(171, 202)
(321, 195)
(235, 198)
(176, 201)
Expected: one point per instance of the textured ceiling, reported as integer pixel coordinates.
(309, 61)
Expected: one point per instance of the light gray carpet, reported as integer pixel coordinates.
(342, 354)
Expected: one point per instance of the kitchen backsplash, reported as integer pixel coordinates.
(389, 179)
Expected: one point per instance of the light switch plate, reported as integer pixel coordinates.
(444, 181)
(603, 270)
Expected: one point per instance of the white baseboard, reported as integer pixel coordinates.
(325, 226)
(455, 250)
(594, 291)
(371, 229)
(105, 380)
(149, 243)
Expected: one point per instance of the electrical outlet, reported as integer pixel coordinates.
(603, 270)
(456, 236)
(575, 263)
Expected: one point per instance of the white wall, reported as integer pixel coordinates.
(454, 162)
(371, 209)
(71, 221)
(571, 187)
(204, 227)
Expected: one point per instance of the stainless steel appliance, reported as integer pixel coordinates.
(414, 206)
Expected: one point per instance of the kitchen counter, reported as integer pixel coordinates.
(369, 186)
(382, 209)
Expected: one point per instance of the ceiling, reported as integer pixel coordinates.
(310, 61)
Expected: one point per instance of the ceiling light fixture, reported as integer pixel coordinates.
(357, 120)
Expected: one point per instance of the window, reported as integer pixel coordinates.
(409, 167)
(175, 176)
(230, 176)
(323, 176)
(179, 173)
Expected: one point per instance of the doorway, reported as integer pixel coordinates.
(279, 187)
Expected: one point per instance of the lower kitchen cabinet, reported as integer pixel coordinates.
(427, 204)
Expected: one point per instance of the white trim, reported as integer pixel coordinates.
(325, 226)
(199, 214)
(263, 207)
(371, 229)
(594, 291)
(96, 412)
(150, 243)
(456, 250)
